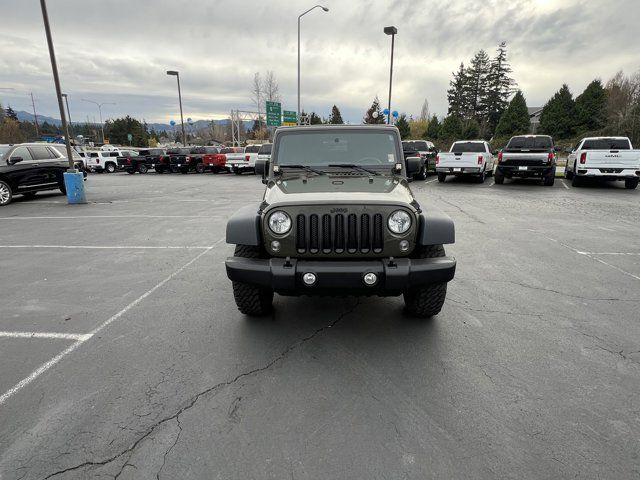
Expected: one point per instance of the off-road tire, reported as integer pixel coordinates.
(442, 177)
(110, 167)
(142, 169)
(422, 175)
(173, 169)
(549, 180)
(482, 177)
(631, 183)
(426, 301)
(200, 168)
(577, 180)
(251, 300)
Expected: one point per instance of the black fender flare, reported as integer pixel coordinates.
(435, 228)
(243, 228)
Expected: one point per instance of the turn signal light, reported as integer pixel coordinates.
(499, 157)
(479, 159)
(437, 159)
(583, 158)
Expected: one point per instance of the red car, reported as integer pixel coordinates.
(215, 159)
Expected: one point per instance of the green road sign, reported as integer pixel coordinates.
(274, 114)
(130, 137)
(289, 118)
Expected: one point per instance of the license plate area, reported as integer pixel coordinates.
(522, 167)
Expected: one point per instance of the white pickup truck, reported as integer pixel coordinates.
(607, 158)
(468, 157)
(247, 162)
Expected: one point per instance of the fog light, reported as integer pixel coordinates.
(275, 246)
(404, 245)
(309, 278)
(370, 278)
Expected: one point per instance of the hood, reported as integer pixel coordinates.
(337, 189)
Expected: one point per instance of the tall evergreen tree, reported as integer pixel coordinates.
(515, 120)
(335, 118)
(456, 92)
(558, 115)
(403, 126)
(451, 128)
(11, 113)
(314, 119)
(370, 118)
(433, 129)
(477, 86)
(591, 107)
(500, 86)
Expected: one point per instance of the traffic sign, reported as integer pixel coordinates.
(289, 118)
(274, 114)
(129, 137)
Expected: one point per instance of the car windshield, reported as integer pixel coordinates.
(462, 147)
(252, 149)
(4, 149)
(211, 150)
(607, 144)
(265, 149)
(317, 148)
(227, 150)
(530, 142)
(420, 146)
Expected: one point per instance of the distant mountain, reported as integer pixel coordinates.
(199, 124)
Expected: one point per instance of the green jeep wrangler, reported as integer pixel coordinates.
(338, 218)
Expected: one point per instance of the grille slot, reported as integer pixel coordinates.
(339, 233)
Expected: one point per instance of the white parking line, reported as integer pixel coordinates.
(60, 336)
(608, 253)
(110, 216)
(109, 247)
(492, 183)
(46, 366)
(431, 181)
(564, 184)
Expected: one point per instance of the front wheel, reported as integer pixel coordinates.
(631, 183)
(548, 180)
(576, 180)
(498, 177)
(251, 300)
(422, 175)
(110, 168)
(442, 177)
(142, 168)
(427, 300)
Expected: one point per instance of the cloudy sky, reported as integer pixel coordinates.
(118, 51)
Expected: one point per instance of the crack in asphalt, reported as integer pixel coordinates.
(192, 402)
(164, 457)
(470, 215)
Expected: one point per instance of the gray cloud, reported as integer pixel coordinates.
(119, 50)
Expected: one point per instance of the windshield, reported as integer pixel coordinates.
(4, 149)
(227, 150)
(530, 142)
(420, 146)
(179, 151)
(316, 148)
(462, 147)
(607, 144)
(265, 149)
(252, 149)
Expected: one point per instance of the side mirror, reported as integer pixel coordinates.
(14, 160)
(262, 169)
(413, 166)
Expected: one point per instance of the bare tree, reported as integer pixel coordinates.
(424, 113)
(257, 91)
(271, 87)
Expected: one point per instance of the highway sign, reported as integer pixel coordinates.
(274, 114)
(289, 118)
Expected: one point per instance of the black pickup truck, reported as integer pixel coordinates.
(142, 162)
(184, 160)
(527, 156)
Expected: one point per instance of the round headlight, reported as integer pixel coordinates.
(279, 222)
(399, 221)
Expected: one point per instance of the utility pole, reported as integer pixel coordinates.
(66, 100)
(35, 115)
(390, 31)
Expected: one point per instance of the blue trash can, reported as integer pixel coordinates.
(74, 184)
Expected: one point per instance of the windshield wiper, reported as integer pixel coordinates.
(304, 167)
(353, 165)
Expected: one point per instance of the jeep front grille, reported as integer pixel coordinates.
(339, 233)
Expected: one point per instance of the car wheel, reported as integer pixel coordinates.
(237, 171)
(251, 300)
(631, 183)
(422, 175)
(567, 174)
(549, 180)
(142, 168)
(200, 168)
(110, 168)
(481, 178)
(427, 300)
(576, 180)
(173, 169)
(498, 177)
(442, 177)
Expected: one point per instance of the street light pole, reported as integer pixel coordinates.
(299, 17)
(35, 115)
(390, 31)
(177, 75)
(66, 100)
(99, 105)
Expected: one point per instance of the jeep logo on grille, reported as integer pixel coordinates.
(339, 210)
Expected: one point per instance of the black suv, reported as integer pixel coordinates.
(28, 168)
(338, 218)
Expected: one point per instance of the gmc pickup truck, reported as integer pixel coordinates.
(527, 156)
(466, 158)
(607, 158)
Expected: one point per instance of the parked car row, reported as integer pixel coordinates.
(199, 159)
(29, 168)
(535, 156)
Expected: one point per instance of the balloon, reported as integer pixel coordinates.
(172, 123)
(386, 111)
(189, 120)
(395, 113)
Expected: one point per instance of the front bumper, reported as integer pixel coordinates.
(511, 171)
(394, 275)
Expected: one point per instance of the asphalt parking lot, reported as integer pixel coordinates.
(122, 353)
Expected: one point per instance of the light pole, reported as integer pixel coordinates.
(99, 105)
(299, 17)
(73, 180)
(66, 100)
(177, 75)
(390, 31)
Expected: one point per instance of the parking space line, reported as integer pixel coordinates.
(109, 216)
(110, 247)
(492, 183)
(431, 181)
(564, 184)
(54, 335)
(46, 366)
